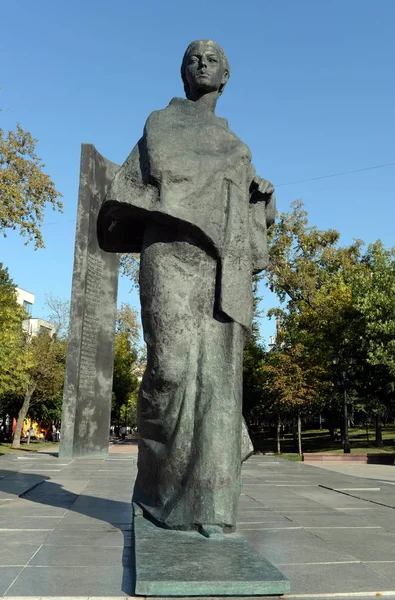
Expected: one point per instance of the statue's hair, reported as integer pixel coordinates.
(220, 51)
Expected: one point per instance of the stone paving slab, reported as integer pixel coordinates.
(73, 581)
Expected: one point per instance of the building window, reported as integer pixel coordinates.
(44, 330)
(28, 307)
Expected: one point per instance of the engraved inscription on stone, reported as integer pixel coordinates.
(91, 323)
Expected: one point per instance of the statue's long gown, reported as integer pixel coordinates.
(182, 199)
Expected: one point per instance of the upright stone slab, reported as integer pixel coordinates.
(89, 366)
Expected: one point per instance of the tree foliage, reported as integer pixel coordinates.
(130, 267)
(127, 365)
(14, 360)
(334, 301)
(294, 384)
(375, 302)
(58, 313)
(45, 376)
(25, 190)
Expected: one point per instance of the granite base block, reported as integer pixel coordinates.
(175, 563)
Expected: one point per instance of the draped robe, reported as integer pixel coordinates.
(182, 199)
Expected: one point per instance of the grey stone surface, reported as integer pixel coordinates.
(362, 544)
(317, 561)
(334, 579)
(384, 568)
(7, 576)
(285, 546)
(33, 522)
(17, 553)
(188, 199)
(110, 537)
(89, 366)
(178, 563)
(53, 555)
(73, 581)
(29, 536)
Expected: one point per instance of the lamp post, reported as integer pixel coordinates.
(346, 440)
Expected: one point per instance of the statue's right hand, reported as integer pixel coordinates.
(261, 190)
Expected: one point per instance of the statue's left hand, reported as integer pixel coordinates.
(261, 189)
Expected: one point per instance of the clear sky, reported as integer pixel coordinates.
(312, 92)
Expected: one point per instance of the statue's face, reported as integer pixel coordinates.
(205, 71)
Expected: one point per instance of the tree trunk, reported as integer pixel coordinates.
(278, 435)
(16, 441)
(299, 435)
(320, 422)
(379, 435)
(367, 432)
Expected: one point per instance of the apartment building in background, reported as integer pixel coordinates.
(33, 326)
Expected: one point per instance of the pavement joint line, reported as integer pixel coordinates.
(23, 568)
(339, 562)
(250, 483)
(43, 471)
(378, 594)
(296, 484)
(335, 562)
(325, 487)
(13, 581)
(354, 508)
(274, 528)
(28, 458)
(61, 566)
(308, 528)
(57, 464)
(357, 489)
(24, 529)
(122, 459)
(37, 516)
(345, 527)
(252, 522)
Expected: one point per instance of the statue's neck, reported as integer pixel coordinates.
(208, 100)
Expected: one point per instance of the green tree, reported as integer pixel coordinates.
(336, 301)
(374, 296)
(130, 267)
(25, 190)
(45, 376)
(126, 362)
(313, 278)
(253, 383)
(295, 385)
(13, 357)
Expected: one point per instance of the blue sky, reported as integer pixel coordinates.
(312, 92)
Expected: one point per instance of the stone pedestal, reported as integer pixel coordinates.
(180, 564)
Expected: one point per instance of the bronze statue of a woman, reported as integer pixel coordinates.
(188, 199)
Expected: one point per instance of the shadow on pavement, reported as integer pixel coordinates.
(41, 490)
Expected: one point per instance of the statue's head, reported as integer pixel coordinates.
(204, 68)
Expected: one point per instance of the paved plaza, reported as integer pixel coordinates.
(65, 525)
